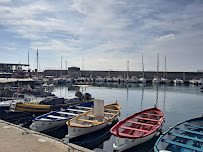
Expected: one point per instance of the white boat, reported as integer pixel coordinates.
(164, 80)
(195, 81)
(142, 79)
(178, 81)
(58, 118)
(156, 79)
(133, 79)
(88, 122)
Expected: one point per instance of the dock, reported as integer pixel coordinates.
(15, 138)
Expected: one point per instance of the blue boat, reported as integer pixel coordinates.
(186, 136)
(58, 118)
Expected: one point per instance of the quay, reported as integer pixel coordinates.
(15, 138)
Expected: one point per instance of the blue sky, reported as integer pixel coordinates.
(107, 33)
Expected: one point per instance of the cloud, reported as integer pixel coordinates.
(107, 33)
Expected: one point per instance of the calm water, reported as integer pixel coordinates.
(178, 103)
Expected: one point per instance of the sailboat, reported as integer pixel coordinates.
(142, 79)
(164, 78)
(157, 78)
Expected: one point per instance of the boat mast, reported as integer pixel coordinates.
(127, 68)
(158, 64)
(61, 65)
(28, 61)
(142, 66)
(37, 61)
(165, 68)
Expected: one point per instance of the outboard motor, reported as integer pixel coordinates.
(79, 95)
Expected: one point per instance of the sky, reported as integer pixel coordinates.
(103, 34)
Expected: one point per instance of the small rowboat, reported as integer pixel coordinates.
(186, 136)
(58, 118)
(137, 128)
(87, 122)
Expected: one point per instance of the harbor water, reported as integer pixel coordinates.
(178, 103)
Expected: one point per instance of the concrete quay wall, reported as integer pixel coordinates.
(148, 74)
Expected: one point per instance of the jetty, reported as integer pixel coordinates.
(17, 139)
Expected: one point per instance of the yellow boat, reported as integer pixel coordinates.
(43, 108)
(88, 122)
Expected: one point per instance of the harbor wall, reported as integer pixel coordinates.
(148, 74)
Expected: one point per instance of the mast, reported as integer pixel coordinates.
(37, 61)
(142, 66)
(127, 68)
(61, 65)
(28, 61)
(165, 68)
(158, 63)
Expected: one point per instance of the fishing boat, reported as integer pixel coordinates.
(137, 128)
(186, 136)
(46, 105)
(89, 122)
(58, 118)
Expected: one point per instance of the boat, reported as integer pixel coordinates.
(157, 78)
(58, 118)
(178, 81)
(142, 79)
(88, 122)
(195, 81)
(137, 128)
(133, 79)
(46, 105)
(186, 136)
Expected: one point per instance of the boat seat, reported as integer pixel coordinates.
(190, 131)
(194, 126)
(107, 113)
(151, 114)
(57, 117)
(76, 110)
(147, 119)
(135, 129)
(67, 113)
(45, 119)
(79, 125)
(91, 121)
(84, 107)
(111, 110)
(96, 116)
(139, 123)
(186, 137)
(182, 145)
(127, 135)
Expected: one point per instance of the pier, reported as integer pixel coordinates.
(15, 138)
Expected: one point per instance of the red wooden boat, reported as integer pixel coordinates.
(137, 128)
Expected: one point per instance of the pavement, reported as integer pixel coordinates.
(18, 139)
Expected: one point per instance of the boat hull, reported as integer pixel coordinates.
(122, 144)
(77, 131)
(46, 125)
